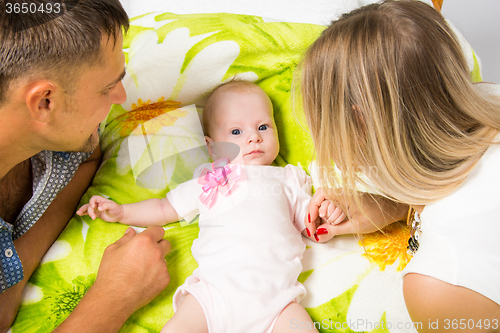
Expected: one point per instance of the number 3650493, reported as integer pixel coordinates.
(32, 8)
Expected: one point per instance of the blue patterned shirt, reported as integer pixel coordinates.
(52, 171)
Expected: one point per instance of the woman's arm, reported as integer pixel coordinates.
(437, 306)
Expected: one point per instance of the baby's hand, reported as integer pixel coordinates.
(103, 208)
(330, 212)
(323, 217)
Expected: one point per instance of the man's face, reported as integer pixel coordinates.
(97, 88)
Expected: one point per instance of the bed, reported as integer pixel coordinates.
(175, 56)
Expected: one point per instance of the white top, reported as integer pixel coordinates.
(460, 239)
(250, 245)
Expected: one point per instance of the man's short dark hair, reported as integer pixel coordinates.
(52, 44)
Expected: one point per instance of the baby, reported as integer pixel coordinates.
(250, 247)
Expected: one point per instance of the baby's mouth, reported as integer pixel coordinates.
(255, 152)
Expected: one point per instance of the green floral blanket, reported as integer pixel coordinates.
(354, 285)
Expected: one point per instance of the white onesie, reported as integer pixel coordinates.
(249, 248)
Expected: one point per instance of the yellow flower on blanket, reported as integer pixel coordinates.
(386, 246)
(160, 104)
(356, 286)
(143, 112)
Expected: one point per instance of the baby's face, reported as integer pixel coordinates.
(246, 119)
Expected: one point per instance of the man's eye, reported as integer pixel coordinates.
(107, 90)
(263, 127)
(236, 132)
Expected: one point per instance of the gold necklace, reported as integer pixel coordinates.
(415, 222)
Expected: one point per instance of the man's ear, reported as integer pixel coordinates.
(41, 100)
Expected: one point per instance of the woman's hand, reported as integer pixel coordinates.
(321, 210)
(375, 213)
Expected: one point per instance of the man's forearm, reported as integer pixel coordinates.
(98, 311)
(33, 244)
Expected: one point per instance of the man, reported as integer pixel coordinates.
(59, 76)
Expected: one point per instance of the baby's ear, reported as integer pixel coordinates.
(208, 141)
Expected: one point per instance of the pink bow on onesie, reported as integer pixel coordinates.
(221, 179)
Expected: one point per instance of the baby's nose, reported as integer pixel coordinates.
(254, 137)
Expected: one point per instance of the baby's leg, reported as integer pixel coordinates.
(294, 318)
(188, 318)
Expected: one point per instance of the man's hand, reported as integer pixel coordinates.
(133, 271)
(135, 267)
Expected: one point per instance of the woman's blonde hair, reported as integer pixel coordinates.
(386, 88)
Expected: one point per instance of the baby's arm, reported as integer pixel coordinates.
(142, 214)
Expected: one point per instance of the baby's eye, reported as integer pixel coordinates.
(236, 132)
(263, 127)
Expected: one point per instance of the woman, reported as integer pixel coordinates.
(386, 90)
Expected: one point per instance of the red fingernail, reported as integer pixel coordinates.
(322, 231)
(309, 219)
(316, 238)
(308, 232)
